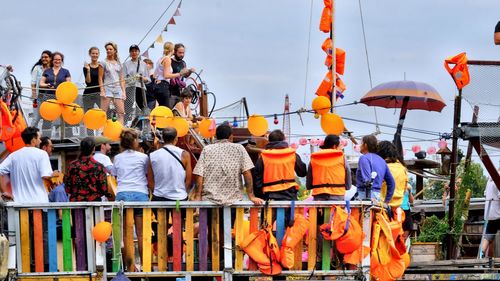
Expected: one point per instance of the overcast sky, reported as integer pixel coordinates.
(258, 49)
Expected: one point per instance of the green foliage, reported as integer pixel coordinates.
(433, 229)
(473, 178)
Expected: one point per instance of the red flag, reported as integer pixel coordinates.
(177, 13)
(171, 21)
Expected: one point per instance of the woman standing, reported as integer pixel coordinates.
(37, 70)
(112, 82)
(55, 75)
(91, 72)
(131, 168)
(164, 73)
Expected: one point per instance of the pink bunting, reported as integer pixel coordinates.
(302, 141)
(177, 13)
(146, 54)
(343, 142)
(171, 21)
(442, 144)
(431, 150)
(357, 148)
(416, 148)
(294, 145)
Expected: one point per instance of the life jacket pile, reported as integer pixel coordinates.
(389, 258)
(13, 123)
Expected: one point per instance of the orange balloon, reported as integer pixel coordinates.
(94, 119)
(66, 92)
(332, 124)
(321, 105)
(181, 125)
(257, 125)
(72, 114)
(50, 110)
(205, 129)
(112, 130)
(102, 231)
(162, 115)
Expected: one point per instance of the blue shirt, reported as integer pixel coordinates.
(53, 80)
(372, 162)
(406, 201)
(58, 194)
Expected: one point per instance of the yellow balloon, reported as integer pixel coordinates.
(321, 105)
(181, 125)
(205, 130)
(94, 119)
(332, 124)
(162, 115)
(50, 110)
(66, 92)
(72, 114)
(257, 125)
(112, 130)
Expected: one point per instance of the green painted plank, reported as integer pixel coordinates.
(326, 259)
(115, 221)
(67, 243)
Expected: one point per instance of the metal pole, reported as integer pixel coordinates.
(334, 60)
(453, 170)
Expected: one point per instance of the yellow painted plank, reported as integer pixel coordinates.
(239, 229)
(313, 226)
(25, 240)
(146, 240)
(162, 240)
(189, 240)
(215, 240)
(297, 265)
(128, 240)
(269, 216)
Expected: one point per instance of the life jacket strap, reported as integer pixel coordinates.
(277, 182)
(328, 185)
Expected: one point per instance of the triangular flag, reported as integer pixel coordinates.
(178, 6)
(177, 13)
(171, 21)
(166, 28)
(146, 54)
(159, 39)
(152, 45)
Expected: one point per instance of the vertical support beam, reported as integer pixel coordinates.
(25, 241)
(203, 240)
(475, 113)
(366, 224)
(280, 225)
(117, 243)
(146, 240)
(14, 245)
(189, 239)
(239, 236)
(488, 164)
(89, 222)
(312, 247)
(326, 245)
(128, 240)
(419, 184)
(67, 241)
(203, 101)
(215, 239)
(177, 240)
(228, 253)
(38, 240)
(254, 226)
(297, 265)
(162, 240)
(334, 57)
(80, 250)
(52, 237)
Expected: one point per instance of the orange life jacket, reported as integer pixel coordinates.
(292, 237)
(328, 172)
(339, 56)
(325, 23)
(279, 169)
(7, 126)
(459, 72)
(261, 246)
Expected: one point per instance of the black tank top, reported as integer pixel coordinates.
(94, 80)
(177, 66)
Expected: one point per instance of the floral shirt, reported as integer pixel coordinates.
(221, 165)
(86, 180)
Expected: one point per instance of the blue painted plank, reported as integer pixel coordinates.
(280, 225)
(52, 237)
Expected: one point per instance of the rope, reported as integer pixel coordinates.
(377, 128)
(308, 52)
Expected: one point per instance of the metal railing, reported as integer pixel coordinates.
(204, 238)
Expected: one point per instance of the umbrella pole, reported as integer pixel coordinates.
(397, 136)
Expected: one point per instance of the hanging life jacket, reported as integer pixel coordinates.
(344, 229)
(293, 236)
(459, 72)
(339, 56)
(279, 169)
(328, 172)
(7, 126)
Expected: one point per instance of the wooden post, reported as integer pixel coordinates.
(469, 147)
(203, 101)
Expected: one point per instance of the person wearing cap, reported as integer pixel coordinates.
(276, 168)
(329, 174)
(137, 76)
(86, 178)
(102, 149)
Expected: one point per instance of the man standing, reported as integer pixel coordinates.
(329, 174)
(170, 170)
(219, 171)
(372, 171)
(492, 215)
(102, 149)
(86, 178)
(178, 64)
(134, 71)
(276, 168)
(28, 167)
(58, 193)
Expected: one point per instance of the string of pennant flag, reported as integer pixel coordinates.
(159, 38)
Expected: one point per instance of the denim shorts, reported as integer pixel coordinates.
(115, 93)
(375, 195)
(132, 196)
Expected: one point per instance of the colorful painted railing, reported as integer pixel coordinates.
(37, 251)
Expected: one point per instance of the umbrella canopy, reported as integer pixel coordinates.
(392, 94)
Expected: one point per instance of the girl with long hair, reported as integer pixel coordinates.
(112, 82)
(164, 73)
(44, 63)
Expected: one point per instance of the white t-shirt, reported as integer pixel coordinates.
(492, 196)
(26, 167)
(104, 160)
(131, 168)
(169, 174)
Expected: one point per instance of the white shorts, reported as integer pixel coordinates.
(113, 93)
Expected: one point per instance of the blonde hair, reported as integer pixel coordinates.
(113, 44)
(168, 48)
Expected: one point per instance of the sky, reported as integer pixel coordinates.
(258, 49)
